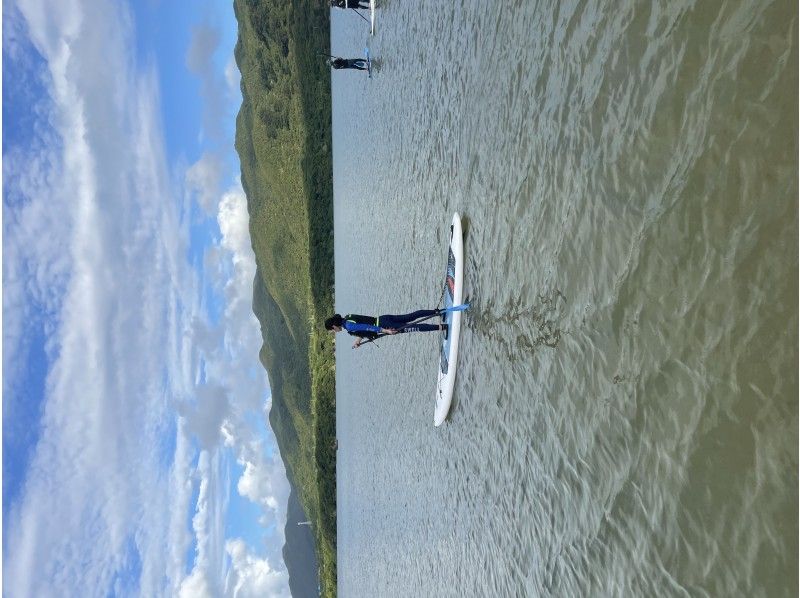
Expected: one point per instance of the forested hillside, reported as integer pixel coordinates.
(283, 137)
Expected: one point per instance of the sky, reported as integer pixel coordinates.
(137, 458)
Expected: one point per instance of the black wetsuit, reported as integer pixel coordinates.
(349, 63)
(350, 4)
(369, 327)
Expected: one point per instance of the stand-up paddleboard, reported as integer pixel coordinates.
(369, 63)
(453, 295)
(372, 17)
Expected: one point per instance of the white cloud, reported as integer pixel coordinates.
(207, 523)
(256, 484)
(264, 478)
(203, 44)
(207, 414)
(181, 491)
(197, 585)
(237, 382)
(204, 177)
(253, 577)
(233, 361)
(199, 58)
(98, 242)
(96, 239)
(234, 224)
(236, 385)
(233, 77)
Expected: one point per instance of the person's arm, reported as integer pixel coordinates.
(366, 336)
(354, 327)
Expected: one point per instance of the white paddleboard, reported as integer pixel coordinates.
(372, 17)
(453, 295)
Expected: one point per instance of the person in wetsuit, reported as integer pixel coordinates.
(348, 63)
(350, 3)
(368, 328)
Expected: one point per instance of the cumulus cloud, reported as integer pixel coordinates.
(256, 484)
(237, 385)
(264, 479)
(234, 223)
(230, 349)
(197, 585)
(252, 577)
(236, 368)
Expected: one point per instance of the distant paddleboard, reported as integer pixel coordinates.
(453, 295)
(372, 17)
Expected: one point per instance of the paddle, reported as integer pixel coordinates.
(359, 14)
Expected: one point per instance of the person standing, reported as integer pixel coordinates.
(349, 63)
(350, 3)
(369, 328)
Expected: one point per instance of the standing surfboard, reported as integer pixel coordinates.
(372, 17)
(453, 295)
(369, 63)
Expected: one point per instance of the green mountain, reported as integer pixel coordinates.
(283, 137)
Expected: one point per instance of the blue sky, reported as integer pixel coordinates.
(136, 454)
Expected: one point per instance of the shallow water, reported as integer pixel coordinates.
(625, 417)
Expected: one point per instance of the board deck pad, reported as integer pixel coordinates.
(447, 317)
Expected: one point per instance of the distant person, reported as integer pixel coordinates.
(348, 63)
(369, 328)
(350, 3)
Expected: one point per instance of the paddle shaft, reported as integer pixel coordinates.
(359, 14)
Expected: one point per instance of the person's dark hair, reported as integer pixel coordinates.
(335, 320)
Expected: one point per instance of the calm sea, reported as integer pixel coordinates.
(625, 419)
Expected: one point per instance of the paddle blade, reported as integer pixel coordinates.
(461, 307)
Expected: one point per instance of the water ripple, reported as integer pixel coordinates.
(625, 419)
